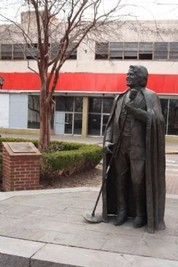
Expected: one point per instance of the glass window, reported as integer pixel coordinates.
(130, 50)
(54, 50)
(33, 111)
(70, 108)
(71, 50)
(131, 46)
(94, 124)
(95, 105)
(130, 55)
(99, 110)
(145, 50)
(68, 123)
(78, 104)
(31, 51)
(173, 54)
(6, 51)
(164, 106)
(137, 50)
(101, 50)
(18, 51)
(64, 103)
(116, 50)
(77, 123)
(105, 120)
(173, 117)
(160, 50)
(107, 104)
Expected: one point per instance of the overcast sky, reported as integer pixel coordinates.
(152, 9)
(141, 9)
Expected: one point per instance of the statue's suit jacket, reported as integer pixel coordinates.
(114, 131)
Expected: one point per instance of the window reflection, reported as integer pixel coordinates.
(99, 110)
(64, 103)
(71, 108)
(173, 117)
(77, 123)
(170, 113)
(94, 123)
(164, 106)
(105, 120)
(78, 104)
(68, 123)
(95, 105)
(107, 104)
(33, 111)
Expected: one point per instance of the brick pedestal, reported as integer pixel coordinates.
(21, 166)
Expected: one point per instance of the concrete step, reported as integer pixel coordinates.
(24, 253)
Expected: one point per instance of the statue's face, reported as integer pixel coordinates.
(132, 79)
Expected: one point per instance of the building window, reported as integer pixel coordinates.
(33, 111)
(165, 112)
(19, 51)
(161, 50)
(101, 51)
(173, 117)
(170, 113)
(94, 121)
(31, 51)
(68, 115)
(107, 104)
(64, 103)
(130, 50)
(71, 50)
(6, 51)
(137, 51)
(99, 110)
(116, 50)
(145, 51)
(173, 54)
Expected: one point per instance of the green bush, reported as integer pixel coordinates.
(62, 158)
(70, 161)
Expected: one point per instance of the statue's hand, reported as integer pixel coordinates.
(108, 147)
(130, 107)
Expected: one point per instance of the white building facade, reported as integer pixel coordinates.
(91, 78)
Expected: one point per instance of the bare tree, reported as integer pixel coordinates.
(60, 25)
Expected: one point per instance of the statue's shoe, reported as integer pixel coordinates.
(139, 222)
(121, 219)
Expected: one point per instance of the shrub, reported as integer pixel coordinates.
(70, 160)
(62, 158)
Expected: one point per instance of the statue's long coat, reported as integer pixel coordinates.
(154, 165)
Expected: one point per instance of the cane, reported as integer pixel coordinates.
(92, 218)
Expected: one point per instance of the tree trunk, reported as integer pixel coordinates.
(45, 121)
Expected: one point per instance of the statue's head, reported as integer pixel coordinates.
(137, 76)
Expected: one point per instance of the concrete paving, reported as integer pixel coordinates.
(45, 228)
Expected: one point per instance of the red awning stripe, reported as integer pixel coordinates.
(92, 82)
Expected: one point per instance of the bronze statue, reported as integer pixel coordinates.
(134, 145)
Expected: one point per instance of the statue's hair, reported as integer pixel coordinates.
(141, 72)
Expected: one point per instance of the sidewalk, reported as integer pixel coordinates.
(45, 228)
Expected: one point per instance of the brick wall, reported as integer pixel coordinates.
(21, 171)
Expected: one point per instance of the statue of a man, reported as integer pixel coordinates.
(134, 144)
